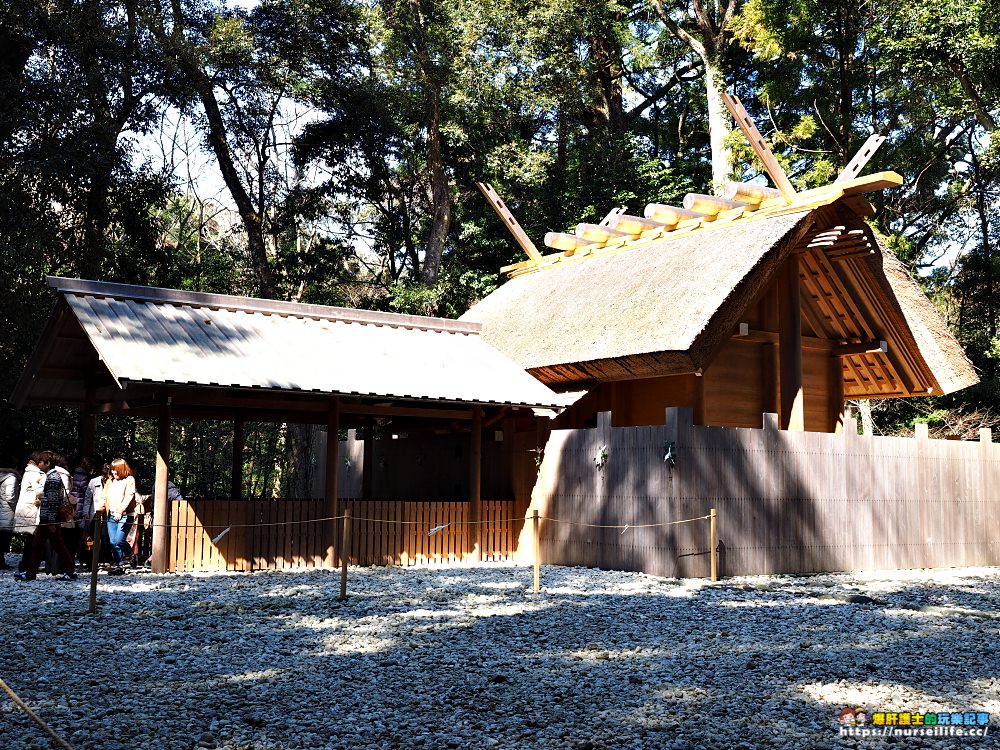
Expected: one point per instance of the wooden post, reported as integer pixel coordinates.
(538, 551)
(475, 484)
(87, 427)
(790, 349)
(368, 463)
(345, 551)
(769, 367)
(161, 505)
(851, 426)
(95, 560)
(239, 441)
(698, 408)
(332, 468)
(714, 545)
(836, 394)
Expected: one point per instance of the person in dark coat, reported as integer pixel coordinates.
(74, 535)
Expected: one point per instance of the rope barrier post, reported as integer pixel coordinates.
(712, 542)
(538, 555)
(95, 561)
(344, 553)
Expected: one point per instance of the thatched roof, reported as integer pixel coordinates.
(660, 298)
(666, 305)
(941, 351)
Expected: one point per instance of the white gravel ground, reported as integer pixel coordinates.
(470, 658)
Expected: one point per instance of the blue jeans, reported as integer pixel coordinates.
(117, 531)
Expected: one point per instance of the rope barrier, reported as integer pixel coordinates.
(627, 526)
(34, 717)
(498, 522)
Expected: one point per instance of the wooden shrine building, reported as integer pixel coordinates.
(638, 338)
(734, 309)
(163, 353)
(764, 300)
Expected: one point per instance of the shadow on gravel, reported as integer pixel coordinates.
(462, 658)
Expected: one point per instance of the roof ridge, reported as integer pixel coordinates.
(164, 295)
(701, 213)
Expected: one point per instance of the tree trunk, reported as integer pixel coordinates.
(440, 199)
(175, 45)
(607, 57)
(439, 183)
(718, 125)
(867, 423)
(253, 223)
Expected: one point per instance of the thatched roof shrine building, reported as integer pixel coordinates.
(731, 306)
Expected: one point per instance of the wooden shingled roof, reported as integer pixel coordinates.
(129, 339)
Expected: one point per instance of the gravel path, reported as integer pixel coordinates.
(439, 658)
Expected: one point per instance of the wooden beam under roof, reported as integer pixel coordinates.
(863, 347)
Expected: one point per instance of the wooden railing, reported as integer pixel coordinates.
(284, 534)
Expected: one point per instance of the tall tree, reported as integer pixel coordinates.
(707, 28)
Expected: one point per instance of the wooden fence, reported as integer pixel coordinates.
(283, 534)
(787, 501)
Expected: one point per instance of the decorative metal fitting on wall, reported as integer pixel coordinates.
(601, 457)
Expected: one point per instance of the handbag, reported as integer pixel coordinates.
(67, 511)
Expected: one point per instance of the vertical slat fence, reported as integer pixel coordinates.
(281, 534)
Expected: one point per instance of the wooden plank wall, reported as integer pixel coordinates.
(280, 534)
(787, 501)
(415, 467)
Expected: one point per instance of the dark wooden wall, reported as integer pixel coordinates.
(787, 501)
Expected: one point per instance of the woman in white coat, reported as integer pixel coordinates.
(9, 479)
(29, 501)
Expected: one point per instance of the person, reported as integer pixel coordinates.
(55, 495)
(119, 496)
(28, 502)
(173, 494)
(9, 481)
(74, 532)
(94, 512)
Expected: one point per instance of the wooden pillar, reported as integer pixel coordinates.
(790, 349)
(770, 366)
(161, 505)
(368, 463)
(239, 441)
(836, 400)
(87, 426)
(475, 483)
(332, 467)
(698, 407)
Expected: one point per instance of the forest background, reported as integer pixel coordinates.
(326, 151)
